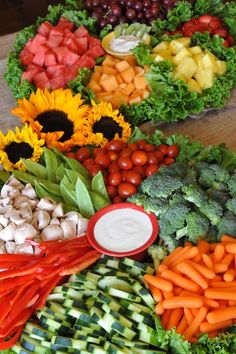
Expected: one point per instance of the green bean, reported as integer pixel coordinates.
(4, 176)
(98, 201)
(25, 177)
(99, 187)
(73, 175)
(51, 164)
(35, 168)
(83, 199)
(77, 166)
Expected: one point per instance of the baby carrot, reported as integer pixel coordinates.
(193, 252)
(220, 267)
(228, 259)
(227, 238)
(213, 334)
(158, 282)
(206, 272)
(218, 253)
(222, 284)
(159, 309)
(203, 246)
(206, 302)
(208, 262)
(188, 315)
(183, 324)
(230, 247)
(229, 275)
(165, 317)
(156, 293)
(187, 269)
(172, 255)
(180, 281)
(198, 319)
(174, 319)
(207, 327)
(177, 290)
(222, 314)
(182, 301)
(167, 294)
(231, 303)
(220, 294)
(161, 268)
(187, 243)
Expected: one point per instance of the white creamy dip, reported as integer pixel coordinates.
(123, 230)
(124, 44)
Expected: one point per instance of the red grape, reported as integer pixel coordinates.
(130, 14)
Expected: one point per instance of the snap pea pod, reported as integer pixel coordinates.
(43, 193)
(60, 172)
(98, 186)
(98, 201)
(68, 193)
(73, 175)
(52, 188)
(35, 168)
(83, 199)
(77, 166)
(4, 176)
(51, 164)
(25, 177)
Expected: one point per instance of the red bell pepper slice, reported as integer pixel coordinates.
(10, 342)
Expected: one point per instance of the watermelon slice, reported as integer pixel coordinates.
(41, 80)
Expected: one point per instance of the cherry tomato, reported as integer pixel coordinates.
(133, 147)
(124, 174)
(102, 160)
(141, 144)
(113, 167)
(125, 163)
(83, 154)
(126, 152)
(114, 145)
(117, 199)
(141, 171)
(89, 162)
(71, 154)
(112, 191)
(163, 148)
(93, 170)
(113, 156)
(152, 158)
(159, 155)
(151, 169)
(173, 150)
(222, 32)
(105, 172)
(149, 148)
(115, 178)
(125, 190)
(98, 151)
(133, 177)
(139, 157)
(168, 160)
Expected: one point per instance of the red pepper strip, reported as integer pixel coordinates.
(55, 245)
(10, 342)
(5, 305)
(45, 291)
(18, 321)
(73, 268)
(10, 265)
(21, 291)
(18, 272)
(13, 283)
(45, 275)
(6, 257)
(81, 258)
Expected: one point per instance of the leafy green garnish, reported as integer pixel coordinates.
(78, 85)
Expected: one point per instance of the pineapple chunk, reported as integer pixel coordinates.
(178, 44)
(160, 46)
(198, 60)
(193, 86)
(165, 53)
(208, 61)
(187, 67)
(158, 58)
(195, 50)
(178, 76)
(179, 57)
(204, 78)
(221, 67)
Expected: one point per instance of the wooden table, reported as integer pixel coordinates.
(214, 128)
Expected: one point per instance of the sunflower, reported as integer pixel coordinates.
(104, 124)
(57, 117)
(23, 143)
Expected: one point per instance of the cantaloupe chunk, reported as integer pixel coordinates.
(109, 61)
(144, 94)
(131, 60)
(140, 82)
(119, 79)
(94, 86)
(109, 70)
(129, 88)
(128, 74)
(139, 70)
(96, 76)
(118, 99)
(98, 69)
(122, 66)
(109, 83)
(105, 96)
(135, 98)
(104, 76)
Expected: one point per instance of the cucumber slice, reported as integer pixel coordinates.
(115, 282)
(123, 295)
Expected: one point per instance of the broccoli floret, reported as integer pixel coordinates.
(213, 211)
(158, 253)
(197, 227)
(195, 194)
(150, 204)
(227, 224)
(137, 198)
(170, 241)
(219, 196)
(232, 185)
(212, 175)
(231, 205)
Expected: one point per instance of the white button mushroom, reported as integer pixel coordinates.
(55, 221)
(21, 216)
(10, 246)
(82, 226)
(9, 192)
(58, 212)
(29, 191)
(7, 234)
(52, 232)
(4, 220)
(69, 229)
(41, 219)
(24, 231)
(46, 204)
(72, 216)
(24, 249)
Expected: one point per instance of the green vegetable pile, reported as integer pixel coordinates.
(170, 99)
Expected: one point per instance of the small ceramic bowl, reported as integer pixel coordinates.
(122, 230)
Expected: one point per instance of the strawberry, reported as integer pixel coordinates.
(222, 32)
(226, 43)
(206, 19)
(231, 40)
(215, 22)
(200, 27)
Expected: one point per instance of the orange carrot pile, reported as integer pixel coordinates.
(119, 81)
(27, 280)
(195, 288)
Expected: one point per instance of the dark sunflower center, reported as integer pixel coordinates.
(16, 151)
(108, 127)
(54, 121)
